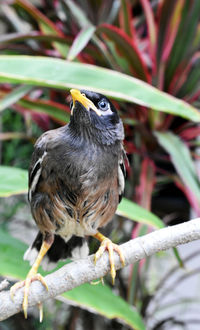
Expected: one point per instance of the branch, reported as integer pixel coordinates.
(84, 270)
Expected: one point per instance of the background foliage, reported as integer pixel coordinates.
(152, 48)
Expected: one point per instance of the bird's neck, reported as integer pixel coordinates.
(100, 137)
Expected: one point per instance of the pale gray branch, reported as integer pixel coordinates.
(4, 284)
(84, 270)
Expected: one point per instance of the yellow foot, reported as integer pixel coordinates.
(107, 244)
(30, 278)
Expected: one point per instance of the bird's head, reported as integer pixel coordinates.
(94, 116)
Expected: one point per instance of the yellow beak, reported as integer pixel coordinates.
(88, 104)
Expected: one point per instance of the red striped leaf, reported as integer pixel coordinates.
(127, 48)
(152, 33)
(45, 24)
(125, 18)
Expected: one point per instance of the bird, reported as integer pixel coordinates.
(76, 181)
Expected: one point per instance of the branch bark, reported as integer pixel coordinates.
(84, 270)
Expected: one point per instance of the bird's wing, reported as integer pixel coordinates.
(41, 153)
(121, 173)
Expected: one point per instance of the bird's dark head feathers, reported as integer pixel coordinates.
(96, 117)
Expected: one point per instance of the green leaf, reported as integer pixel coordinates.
(137, 213)
(107, 304)
(34, 35)
(80, 42)
(53, 109)
(57, 73)
(46, 25)
(127, 48)
(14, 96)
(79, 15)
(126, 18)
(182, 161)
(182, 45)
(13, 181)
(11, 256)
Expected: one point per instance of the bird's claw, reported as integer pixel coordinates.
(30, 278)
(107, 244)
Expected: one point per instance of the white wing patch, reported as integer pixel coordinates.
(36, 176)
(121, 180)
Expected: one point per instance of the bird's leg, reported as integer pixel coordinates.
(33, 276)
(107, 244)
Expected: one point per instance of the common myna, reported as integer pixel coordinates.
(76, 180)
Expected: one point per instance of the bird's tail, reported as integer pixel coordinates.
(75, 248)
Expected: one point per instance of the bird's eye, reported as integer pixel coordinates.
(103, 105)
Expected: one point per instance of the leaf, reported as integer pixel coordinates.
(125, 18)
(15, 95)
(137, 213)
(173, 24)
(181, 160)
(79, 15)
(11, 256)
(80, 42)
(165, 13)
(46, 25)
(146, 183)
(53, 109)
(83, 22)
(107, 304)
(34, 35)
(184, 38)
(127, 48)
(191, 82)
(13, 181)
(57, 73)
(148, 11)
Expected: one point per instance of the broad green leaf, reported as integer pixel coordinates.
(102, 300)
(11, 256)
(14, 96)
(182, 160)
(107, 304)
(57, 73)
(80, 42)
(13, 181)
(137, 213)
